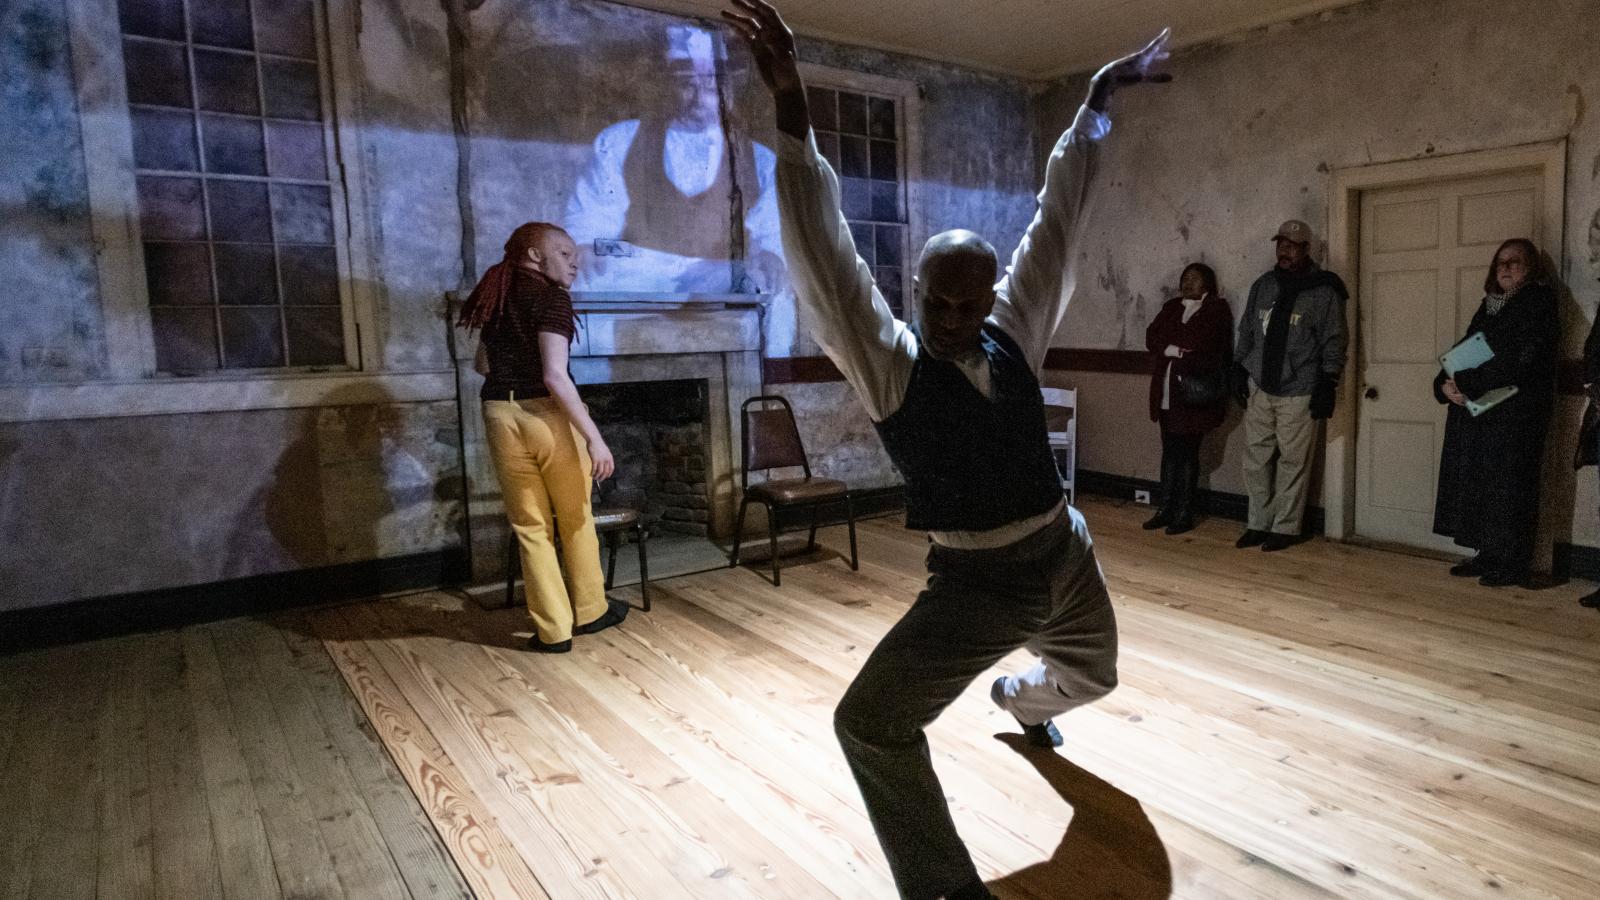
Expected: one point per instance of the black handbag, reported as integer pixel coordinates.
(1201, 390)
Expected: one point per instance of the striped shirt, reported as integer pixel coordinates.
(533, 304)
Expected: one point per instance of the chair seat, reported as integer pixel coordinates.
(611, 518)
(784, 491)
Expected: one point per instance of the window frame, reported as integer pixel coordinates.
(107, 134)
(908, 104)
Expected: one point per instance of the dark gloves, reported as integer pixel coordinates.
(1323, 396)
(1239, 385)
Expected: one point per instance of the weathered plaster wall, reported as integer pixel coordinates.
(147, 501)
(1206, 167)
(99, 506)
(49, 319)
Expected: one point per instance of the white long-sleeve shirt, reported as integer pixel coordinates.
(852, 321)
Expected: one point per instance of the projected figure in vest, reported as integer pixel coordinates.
(666, 186)
(956, 400)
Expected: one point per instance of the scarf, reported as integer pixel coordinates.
(1290, 286)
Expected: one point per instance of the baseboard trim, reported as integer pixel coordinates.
(103, 617)
(1215, 503)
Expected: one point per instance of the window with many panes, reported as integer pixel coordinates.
(860, 134)
(236, 207)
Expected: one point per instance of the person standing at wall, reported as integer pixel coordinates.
(1289, 356)
(1488, 497)
(1190, 343)
(956, 400)
(545, 447)
(1589, 434)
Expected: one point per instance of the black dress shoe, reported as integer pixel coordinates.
(539, 646)
(615, 612)
(1501, 578)
(1252, 538)
(1161, 519)
(1468, 568)
(1180, 526)
(1276, 542)
(1044, 735)
(1590, 600)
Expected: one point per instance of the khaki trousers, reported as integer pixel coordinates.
(544, 471)
(1278, 493)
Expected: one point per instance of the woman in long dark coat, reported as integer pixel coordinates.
(1191, 336)
(1488, 497)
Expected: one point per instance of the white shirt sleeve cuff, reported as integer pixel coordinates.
(1091, 125)
(793, 150)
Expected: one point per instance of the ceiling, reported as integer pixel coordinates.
(1035, 39)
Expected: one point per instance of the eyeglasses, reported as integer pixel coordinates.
(1510, 264)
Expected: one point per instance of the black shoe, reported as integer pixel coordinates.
(615, 612)
(1044, 735)
(1276, 542)
(1590, 600)
(1161, 519)
(1501, 578)
(1181, 526)
(539, 646)
(1252, 538)
(1468, 568)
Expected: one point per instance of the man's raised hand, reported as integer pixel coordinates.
(1130, 69)
(772, 44)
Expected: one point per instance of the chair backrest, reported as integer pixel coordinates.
(771, 438)
(1060, 406)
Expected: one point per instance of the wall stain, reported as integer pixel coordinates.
(1579, 107)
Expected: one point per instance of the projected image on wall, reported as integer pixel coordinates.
(653, 210)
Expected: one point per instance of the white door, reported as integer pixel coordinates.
(1424, 252)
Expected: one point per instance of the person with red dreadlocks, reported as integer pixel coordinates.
(546, 448)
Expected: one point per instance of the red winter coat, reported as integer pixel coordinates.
(1207, 342)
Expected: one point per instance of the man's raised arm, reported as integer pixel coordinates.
(848, 315)
(1032, 296)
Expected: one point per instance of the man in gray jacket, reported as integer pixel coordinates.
(1289, 353)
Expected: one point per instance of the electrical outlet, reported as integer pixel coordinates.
(1141, 497)
(605, 247)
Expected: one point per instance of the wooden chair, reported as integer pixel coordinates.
(612, 522)
(772, 441)
(1061, 423)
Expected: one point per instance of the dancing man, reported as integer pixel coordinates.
(956, 399)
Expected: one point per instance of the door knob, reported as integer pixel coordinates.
(1371, 394)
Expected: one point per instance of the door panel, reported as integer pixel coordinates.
(1424, 252)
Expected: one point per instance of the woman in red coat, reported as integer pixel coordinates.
(1192, 337)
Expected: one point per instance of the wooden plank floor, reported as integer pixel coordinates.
(1328, 721)
(222, 761)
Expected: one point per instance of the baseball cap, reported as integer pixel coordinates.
(1294, 230)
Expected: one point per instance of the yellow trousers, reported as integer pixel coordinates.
(544, 470)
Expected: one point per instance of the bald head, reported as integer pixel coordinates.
(958, 254)
(955, 291)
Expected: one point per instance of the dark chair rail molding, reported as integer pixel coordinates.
(819, 369)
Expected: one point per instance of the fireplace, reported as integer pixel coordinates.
(657, 433)
(628, 348)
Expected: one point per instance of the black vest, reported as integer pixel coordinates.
(972, 463)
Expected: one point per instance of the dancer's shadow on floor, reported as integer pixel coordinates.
(1110, 849)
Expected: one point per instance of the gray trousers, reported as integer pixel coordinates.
(1278, 492)
(1045, 593)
